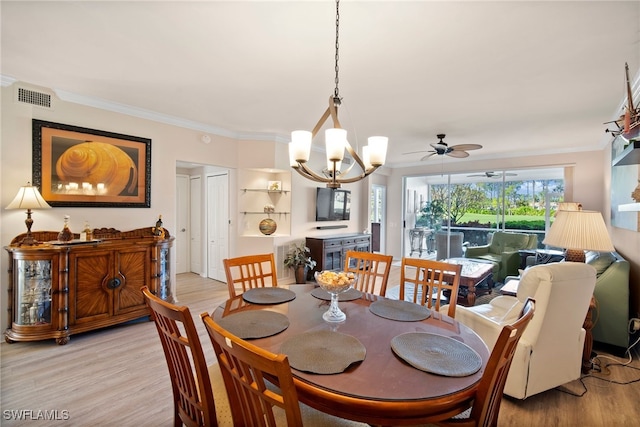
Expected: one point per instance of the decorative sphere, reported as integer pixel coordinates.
(268, 226)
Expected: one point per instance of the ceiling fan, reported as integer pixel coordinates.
(492, 174)
(441, 148)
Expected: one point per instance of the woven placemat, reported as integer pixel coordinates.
(350, 295)
(268, 295)
(403, 311)
(255, 323)
(436, 354)
(323, 352)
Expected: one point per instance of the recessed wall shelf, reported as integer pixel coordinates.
(265, 213)
(629, 156)
(629, 207)
(264, 190)
(264, 194)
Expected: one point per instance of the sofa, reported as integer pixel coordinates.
(502, 251)
(612, 298)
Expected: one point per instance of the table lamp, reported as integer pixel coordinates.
(577, 231)
(28, 198)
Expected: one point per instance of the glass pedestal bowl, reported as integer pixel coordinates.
(335, 283)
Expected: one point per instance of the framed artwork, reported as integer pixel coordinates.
(80, 167)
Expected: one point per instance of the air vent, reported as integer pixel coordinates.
(39, 99)
(284, 273)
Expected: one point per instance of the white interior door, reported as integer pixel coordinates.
(195, 227)
(182, 215)
(217, 225)
(378, 214)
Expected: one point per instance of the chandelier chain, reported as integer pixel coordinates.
(336, 92)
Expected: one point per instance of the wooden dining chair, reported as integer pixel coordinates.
(250, 271)
(372, 270)
(252, 397)
(193, 400)
(427, 282)
(488, 396)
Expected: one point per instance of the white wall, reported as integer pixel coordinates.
(590, 181)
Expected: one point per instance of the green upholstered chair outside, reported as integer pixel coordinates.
(502, 251)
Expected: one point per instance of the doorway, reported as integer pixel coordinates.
(182, 224)
(195, 216)
(217, 225)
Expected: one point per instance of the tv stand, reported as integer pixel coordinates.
(330, 252)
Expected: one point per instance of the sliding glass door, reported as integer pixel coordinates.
(468, 208)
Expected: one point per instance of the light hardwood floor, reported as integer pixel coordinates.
(118, 377)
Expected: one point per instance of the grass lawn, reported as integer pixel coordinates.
(484, 218)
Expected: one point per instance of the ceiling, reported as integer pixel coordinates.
(517, 77)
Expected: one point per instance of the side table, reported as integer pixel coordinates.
(588, 338)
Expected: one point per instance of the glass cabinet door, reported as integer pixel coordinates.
(32, 292)
(164, 287)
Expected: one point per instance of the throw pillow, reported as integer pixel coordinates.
(600, 261)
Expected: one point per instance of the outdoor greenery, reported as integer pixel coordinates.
(431, 215)
(482, 204)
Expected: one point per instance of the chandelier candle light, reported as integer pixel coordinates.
(373, 155)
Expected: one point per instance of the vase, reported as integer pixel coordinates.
(300, 274)
(65, 235)
(268, 226)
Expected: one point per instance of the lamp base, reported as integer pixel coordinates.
(574, 255)
(28, 241)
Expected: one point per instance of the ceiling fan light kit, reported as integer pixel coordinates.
(336, 142)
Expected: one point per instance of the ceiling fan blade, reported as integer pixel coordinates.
(415, 152)
(427, 156)
(458, 154)
(466, 147)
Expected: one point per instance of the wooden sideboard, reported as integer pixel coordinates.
(330, 252)
(57, 289)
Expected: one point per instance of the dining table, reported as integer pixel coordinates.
(379, 387)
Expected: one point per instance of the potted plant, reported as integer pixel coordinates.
(299, 259)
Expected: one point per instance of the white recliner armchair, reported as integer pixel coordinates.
(549, 353)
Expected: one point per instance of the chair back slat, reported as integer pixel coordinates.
(372, 270)
(250, 271)
(190, 381)
(427, 280)
(486, 405)
(244, 367)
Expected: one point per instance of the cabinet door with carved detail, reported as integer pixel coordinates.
(91, 280)
(133, 269)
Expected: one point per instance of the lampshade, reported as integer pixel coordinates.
(577, 231)
(28, 197)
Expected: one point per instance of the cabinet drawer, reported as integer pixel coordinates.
(332, 243)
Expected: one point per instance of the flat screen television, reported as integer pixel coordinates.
(332, 204)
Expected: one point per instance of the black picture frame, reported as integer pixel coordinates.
(75, 166)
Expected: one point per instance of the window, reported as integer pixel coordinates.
(479, 203)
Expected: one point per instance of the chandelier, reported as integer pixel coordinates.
(373, 154)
